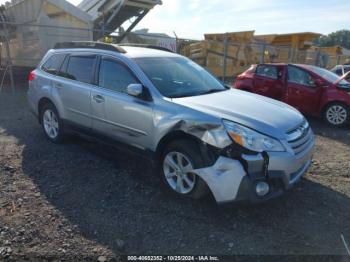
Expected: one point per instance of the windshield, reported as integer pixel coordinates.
(328, 75)
(178, 76)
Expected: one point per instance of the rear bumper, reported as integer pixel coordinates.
(31, 102)
(233, 180)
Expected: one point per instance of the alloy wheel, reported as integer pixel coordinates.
(336, 115)
(177, 171)
(50, 122)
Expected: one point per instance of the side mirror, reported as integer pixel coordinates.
(320, 83)
(135, 90)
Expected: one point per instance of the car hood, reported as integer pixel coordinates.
(262, 114)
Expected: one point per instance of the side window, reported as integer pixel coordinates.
(80, 68)
(299, 76)
(53, 64)
(339, 72)
(115, 76)
(267, 71)
(63, 69)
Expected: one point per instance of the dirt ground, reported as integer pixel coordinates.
(84, 200)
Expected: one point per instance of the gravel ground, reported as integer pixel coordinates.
(84, 200)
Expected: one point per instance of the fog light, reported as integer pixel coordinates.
(262, 188)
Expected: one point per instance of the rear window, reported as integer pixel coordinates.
(53, 64)
(80, 68)
(267, 71)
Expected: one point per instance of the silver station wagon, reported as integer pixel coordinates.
(203, 136)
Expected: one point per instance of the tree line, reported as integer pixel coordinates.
(341, 37)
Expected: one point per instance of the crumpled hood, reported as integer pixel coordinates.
(263, 114)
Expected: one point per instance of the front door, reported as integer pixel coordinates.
(115, 113)
(302, 92)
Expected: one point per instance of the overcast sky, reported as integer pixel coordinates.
(193, 18)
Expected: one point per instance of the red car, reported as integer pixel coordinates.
(312, 90)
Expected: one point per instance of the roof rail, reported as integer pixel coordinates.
(91, 45)
(147, 46)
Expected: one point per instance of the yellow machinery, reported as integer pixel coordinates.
(226, 55)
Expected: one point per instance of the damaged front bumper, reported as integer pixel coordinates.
(236, 180)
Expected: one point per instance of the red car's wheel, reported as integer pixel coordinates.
(337, 114)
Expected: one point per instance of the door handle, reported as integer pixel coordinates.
(98, 99)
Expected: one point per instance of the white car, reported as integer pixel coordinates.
(341, 70)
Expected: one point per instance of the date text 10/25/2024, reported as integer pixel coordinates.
(173, 258)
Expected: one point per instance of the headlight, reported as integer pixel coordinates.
(251, 139)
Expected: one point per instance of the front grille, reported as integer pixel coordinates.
(300, 138)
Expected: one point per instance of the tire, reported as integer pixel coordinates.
(337, 114)
(52, 123)
(192, 185)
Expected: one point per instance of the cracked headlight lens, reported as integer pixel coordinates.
(251, 139)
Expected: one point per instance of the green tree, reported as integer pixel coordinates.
(341, 38)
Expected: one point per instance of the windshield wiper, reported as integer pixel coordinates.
(181, 95)
(211, 91)
(198, 94)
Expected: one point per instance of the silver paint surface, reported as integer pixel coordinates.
(143, 124)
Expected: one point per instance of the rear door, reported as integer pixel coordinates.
(74, 88)
(49, 71)
(45, 77)
(302, 92)
(116, 114)
(268, 82)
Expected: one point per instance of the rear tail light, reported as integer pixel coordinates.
(31, 76)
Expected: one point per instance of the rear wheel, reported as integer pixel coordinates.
(51, 123)
(177, 163)
(337, 114)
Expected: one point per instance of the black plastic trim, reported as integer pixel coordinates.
(97, 136)
(90, 45)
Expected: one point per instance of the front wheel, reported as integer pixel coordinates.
(177, 163)
(337, 114)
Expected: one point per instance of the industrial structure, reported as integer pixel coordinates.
(232, 53)
(30, 27)
(34, 26)
(338, 55)
(110, 15)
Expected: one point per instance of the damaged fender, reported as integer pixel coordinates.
(209, 130)
(214, 135)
